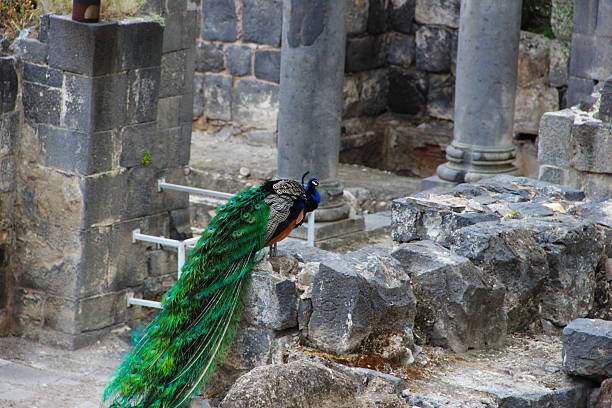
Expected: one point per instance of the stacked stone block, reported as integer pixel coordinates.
(398, 85)
(591, 57)
(575, 145)
(105, 118)
(10, 116)
(238, 66)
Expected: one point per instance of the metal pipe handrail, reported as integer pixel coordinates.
(162, 184)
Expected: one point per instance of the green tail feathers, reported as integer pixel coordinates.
(178, 351)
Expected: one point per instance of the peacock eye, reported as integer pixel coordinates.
(315, 182)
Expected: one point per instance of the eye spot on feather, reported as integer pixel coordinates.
(237, 234)
(257, 206)
(223, 207)
(232, 202)
(210, 230)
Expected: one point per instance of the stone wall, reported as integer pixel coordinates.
(575, 145)
(591, 58)
(106, 113)
(10, 116)
(399, 78)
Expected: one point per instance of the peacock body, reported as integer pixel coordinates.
(180, 348)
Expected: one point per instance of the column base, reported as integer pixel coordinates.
(331, 229)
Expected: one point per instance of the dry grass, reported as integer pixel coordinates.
(15, 15)
(110, 9)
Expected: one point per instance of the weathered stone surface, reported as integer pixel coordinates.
(135, 142)
(74, 151)
(587, 348)
(401, 50)
(512, 256)
(217, 91)
(173, 74)
(559, 61)
(168, 112)
(441, 96)
(140, 44)
(378, 16)
(8, 77)
(9, 133)
(41, 104)
(411, 220)
(255, 104)
(40, 74)
(142, 95)
(443, 12)
(357, 16)
(458, 306)
(209, 57)
(374, 91)
(109, 96)
(238, 59)
(531, 103)
(407, 91)
(262, 21)
(554, 137)
(97, 43)
(7, 176)
(364, 53)
(561, 19)
(591, 147)
(556, 258)
(220, 22)
(401, 15)
(271, 302)
(267, 65)
(604, 397)
(28, 49)
(298, 383)
(433, 48)
(355, 295)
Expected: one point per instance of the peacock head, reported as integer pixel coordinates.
(313, 198)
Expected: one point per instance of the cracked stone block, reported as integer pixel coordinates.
(142, 94)
(271, 302)
(140, 44)
(587, 348)
(458, 306)
(356, 295)
(217, 92)
(173, 74)
(42, 74)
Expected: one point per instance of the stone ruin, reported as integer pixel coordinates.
(439, 320)
(471, 269)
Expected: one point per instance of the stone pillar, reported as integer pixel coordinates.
(106, 114)
(310, 100)
(485, 91)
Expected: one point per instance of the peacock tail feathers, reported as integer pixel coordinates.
(180, 348)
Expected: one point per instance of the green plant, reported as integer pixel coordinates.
(146, 160)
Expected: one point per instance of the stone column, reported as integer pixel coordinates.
(485, 92)
(310, 100)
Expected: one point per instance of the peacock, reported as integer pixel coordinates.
(179, 349)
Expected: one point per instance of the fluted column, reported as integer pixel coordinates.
(485, 91)
(310, 111)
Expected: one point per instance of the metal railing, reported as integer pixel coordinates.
(183, 245)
